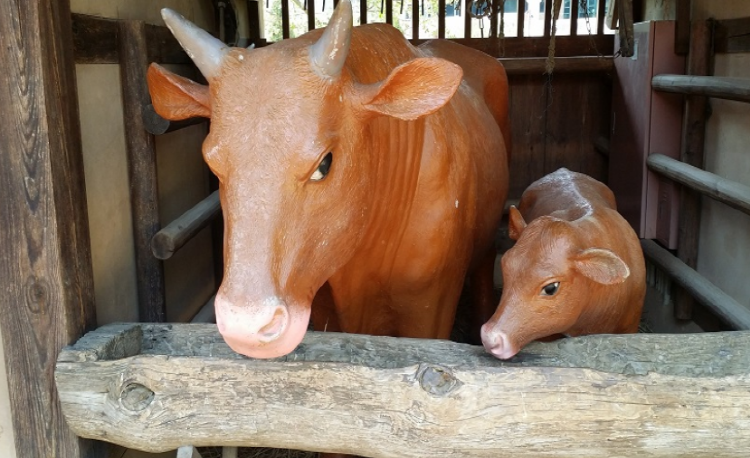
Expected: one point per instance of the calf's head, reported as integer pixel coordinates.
(549, 279)
(289, 144)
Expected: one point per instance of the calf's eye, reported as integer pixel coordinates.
(551, 289)
(323, 168)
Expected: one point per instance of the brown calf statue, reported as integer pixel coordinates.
(577, 267)
(362, 179)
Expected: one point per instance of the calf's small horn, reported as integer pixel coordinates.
(329, 53)
(205, 50)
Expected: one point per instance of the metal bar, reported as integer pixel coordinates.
(467, 18)
(601, 11)
(574, 17)
(548, 7)
(415, 19)
(724, 306)
(521, 18)
(389, 12)
(285, 33)
(363, 11)
(310, 15)
(441, 19)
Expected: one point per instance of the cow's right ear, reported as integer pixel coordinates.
(516, 223)
(175, 97)
(414, 89)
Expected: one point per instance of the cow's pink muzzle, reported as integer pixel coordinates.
(267, 329)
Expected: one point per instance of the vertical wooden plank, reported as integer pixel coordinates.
(521, 18)
(694, 133)
(528, 108)
(389, 13)
(682, 28)
(285, 19)
(363, 11)
(625, 29)
(45, 273)
(574, 17)
(467, 18)
(441, 18)
(601, 12)
(141, 151)
(573, 122)
(548, 7)
(310, 15)
(415, 18)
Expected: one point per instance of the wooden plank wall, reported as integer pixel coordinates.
(45, 273)
(555, 122)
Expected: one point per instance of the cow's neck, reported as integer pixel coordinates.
(397, 153)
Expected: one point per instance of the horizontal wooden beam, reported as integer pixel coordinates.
(582, 45)
(537, 65)
(732, 35)
(157, 125)
(710, 86)
(177, 233)
(154, 387)
(95, 41)
(732, 193)
(705, 292)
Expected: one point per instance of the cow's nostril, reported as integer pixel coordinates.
(275, 327)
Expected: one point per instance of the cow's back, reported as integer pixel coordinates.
(485, 74)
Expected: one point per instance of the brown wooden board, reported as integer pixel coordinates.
(582, 45)
(527, 113)
(95, 41)
(732, 35)
(141, 153)
(557, 128)
(45, 270)
(157, 387)
(693, 140)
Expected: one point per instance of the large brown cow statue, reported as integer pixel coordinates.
(356, 172)
(576, 268)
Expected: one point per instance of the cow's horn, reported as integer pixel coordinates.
(206, 51)
(329, 52)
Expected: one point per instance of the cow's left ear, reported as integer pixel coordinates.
(602, 266)
(414, 89)
(175, 97)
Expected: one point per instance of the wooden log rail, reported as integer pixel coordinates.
(155, 387)
(729, 192)
(177, 233)
(710, 86)
(724, 306)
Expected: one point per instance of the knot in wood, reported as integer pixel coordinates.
(136, 397)
(436, 380)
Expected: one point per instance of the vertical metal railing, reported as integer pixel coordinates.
(572, 11)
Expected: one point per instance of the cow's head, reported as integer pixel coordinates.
(550, 277)
(289, 146)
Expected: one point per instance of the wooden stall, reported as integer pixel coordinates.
(156, 386)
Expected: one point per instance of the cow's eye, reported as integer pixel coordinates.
(551, 289)
(323, 168)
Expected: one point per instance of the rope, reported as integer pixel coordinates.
(550, 65)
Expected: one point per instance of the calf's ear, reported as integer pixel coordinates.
(516, 223)
(414, 89)
(175, 97)
(602, 266)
